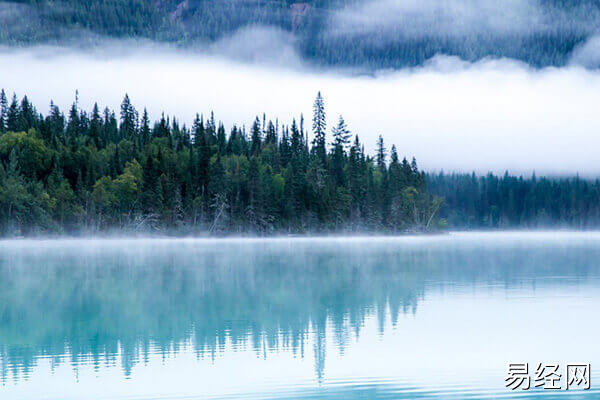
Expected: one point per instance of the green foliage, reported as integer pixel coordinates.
(33, 157)
(23, 203)
(507, 201)
(80, 174)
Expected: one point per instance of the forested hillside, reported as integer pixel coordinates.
(356, 33)
(90, 172)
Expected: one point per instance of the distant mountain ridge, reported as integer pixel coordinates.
(365, 34)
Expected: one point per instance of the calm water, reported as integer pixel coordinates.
(392, 318)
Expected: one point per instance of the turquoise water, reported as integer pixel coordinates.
(361, 318)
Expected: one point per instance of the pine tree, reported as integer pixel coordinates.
(271, 134)
(221, 138)
(341, 134)
(13, 118)
(395, 170)
(417, 177)
(73, 121)
(111, 132)
(95, 125)
(28, 115)
(341, 138)
(211, 130)
(355, 179)
(145, 128)
(163, 127)
(198, 131)
(129, 119)
(407, 171)
(297, 139)
(55, 123)
(284, 148)
(204, 152)
(3, 111)
(319, 128)
(381, 153)
(256, 142)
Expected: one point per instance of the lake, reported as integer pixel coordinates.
(422, 317)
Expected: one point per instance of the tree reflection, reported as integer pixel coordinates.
(89, 303)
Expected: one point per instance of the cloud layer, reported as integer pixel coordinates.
(394, 19)
(450, 114)
(258, 45)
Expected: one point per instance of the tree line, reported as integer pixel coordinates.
(98, 171)
(507, 201)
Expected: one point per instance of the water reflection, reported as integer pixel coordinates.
(108, 303)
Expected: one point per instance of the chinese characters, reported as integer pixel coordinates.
(549, 376)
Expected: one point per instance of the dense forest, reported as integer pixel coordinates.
(507, 201)
(350, 33)
(101, 172)
(90, 172)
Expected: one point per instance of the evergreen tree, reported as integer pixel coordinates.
(381, 153)
(73, 121)
(341, 134)
(3, 112)
(221, 139)
(129, 118)
(111, 132)
(13, 116)
(145, 128)
(55, 124)
(341, 138)
(271, 134)
(255, 141)
(319, 128)
(96, 125)
(28, 115)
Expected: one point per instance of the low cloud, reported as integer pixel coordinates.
(450, 114)
(588, 53)
(258, 45)
(409, 19)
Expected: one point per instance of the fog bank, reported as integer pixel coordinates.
(396, 19)
(450, 114)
